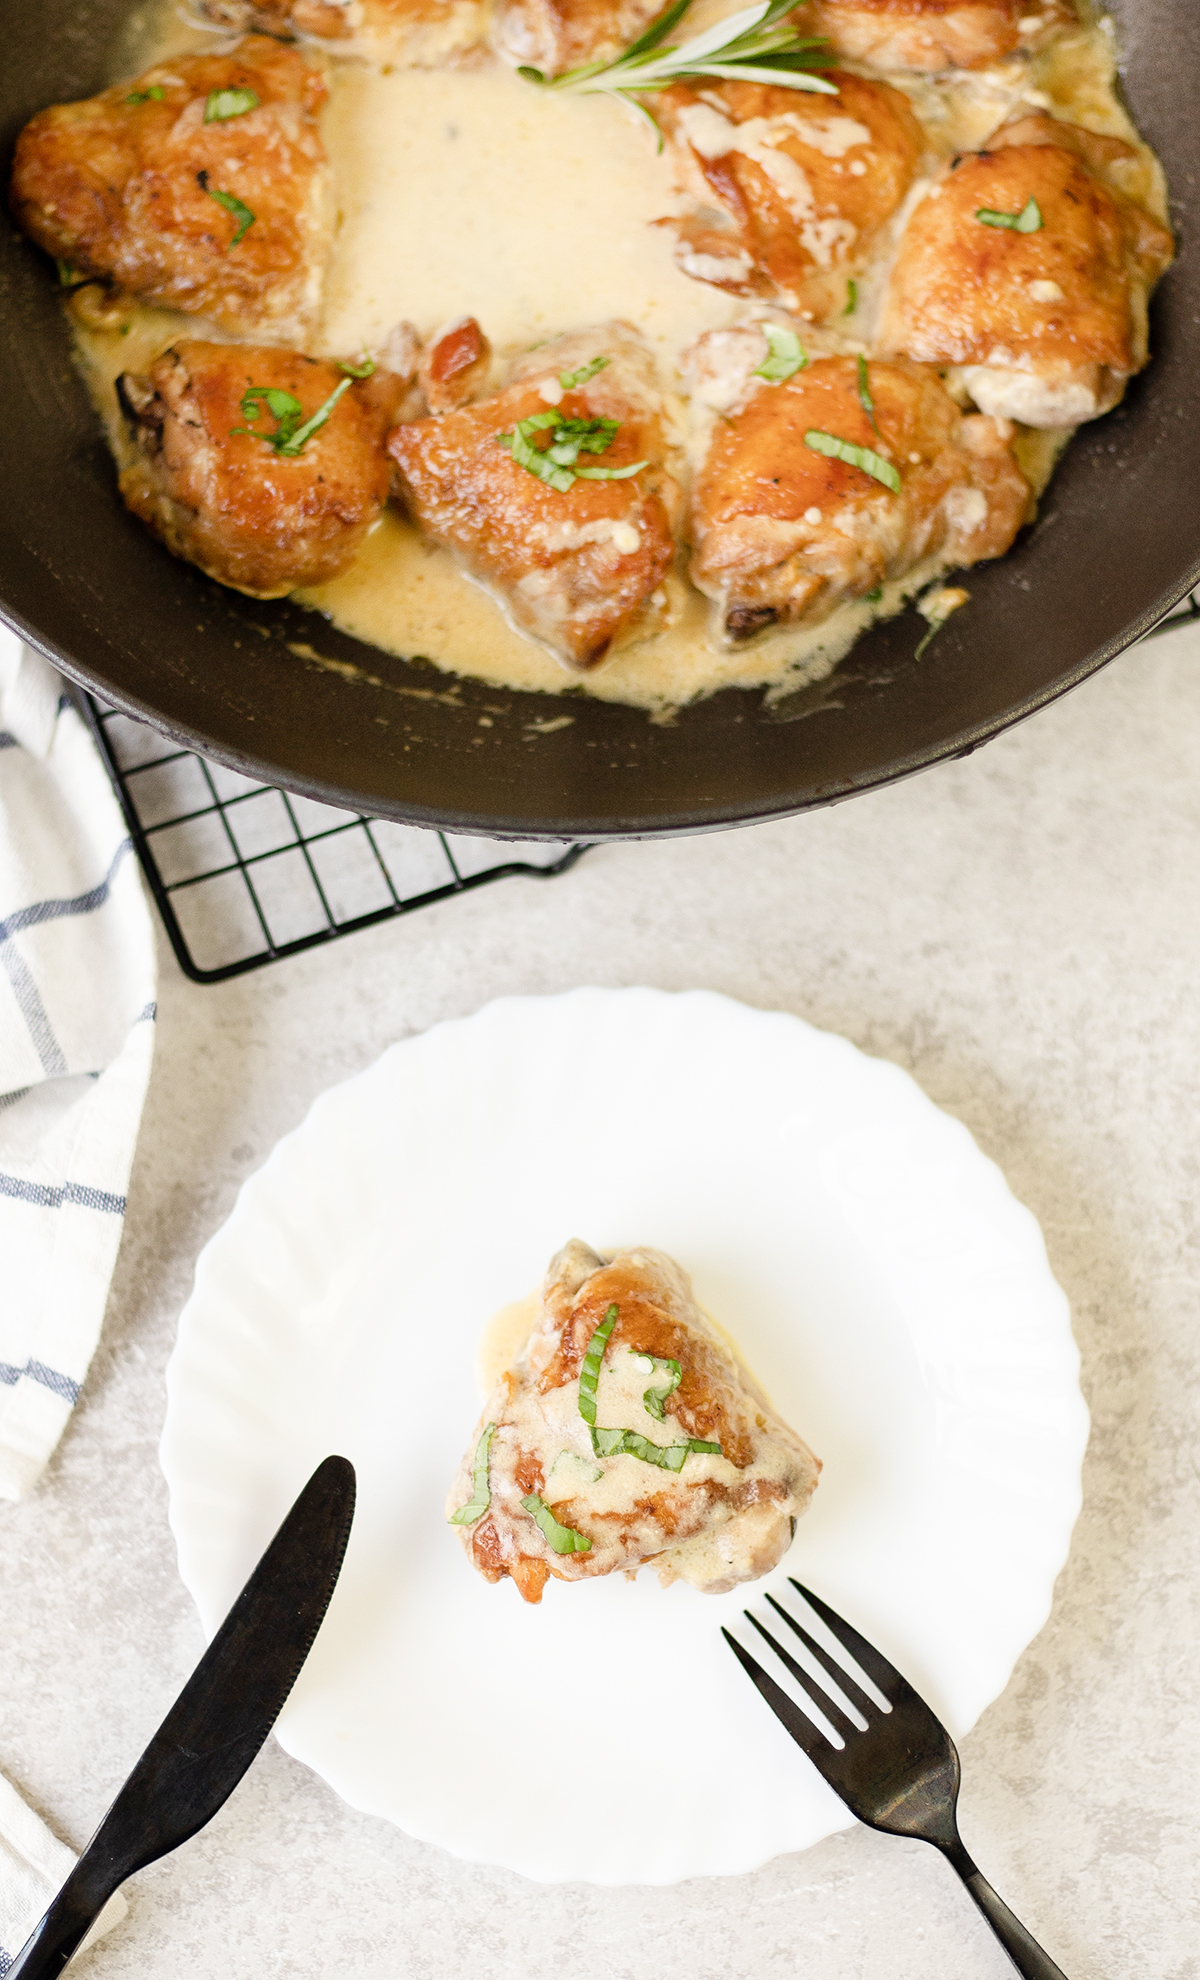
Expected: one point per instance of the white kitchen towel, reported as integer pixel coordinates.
(77, 986)
(33, 1866)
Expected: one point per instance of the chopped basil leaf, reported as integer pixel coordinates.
(361, 370)
(859, 457)
(864, 393)
(569, 380)
(69, 277)
(570, 1461)
(873, 597)
(557, 464)
(289, 436)
(787, 355)
(668, 1457)
(589, 1374)
(232, 204)
(305, 432)
(851, 298)
(653, 1400)
(154, 94)
(563, 1539)
(1027, 221)
(481, 1493)
(221, 104)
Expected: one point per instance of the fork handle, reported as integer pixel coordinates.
(1023, 1950)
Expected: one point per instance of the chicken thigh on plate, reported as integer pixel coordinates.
(201, 186)
(932, 34)
(1029, 268)
(817, 487)
(419, 34)
(557, 492)
(627, 1433)
(265, 468)
(789, 191)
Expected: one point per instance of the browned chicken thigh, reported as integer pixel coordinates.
(931, 34)
(1027, 266)
(628, 1433)
(202, 186)
(802, 184)
(575, 557)
(785, 527)
(422, 34)
(263, 467)
(553, 35)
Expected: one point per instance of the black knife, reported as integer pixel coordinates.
(218, 1722)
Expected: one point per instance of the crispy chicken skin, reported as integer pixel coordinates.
(782, 533)
(123, 187)
(419, 34)
(574, 569)
(713, 1520)
(1049, 325)
(931, 34)
(553, 35)
(223, 497)
(803, 184)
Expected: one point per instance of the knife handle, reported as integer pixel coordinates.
(60, 1932)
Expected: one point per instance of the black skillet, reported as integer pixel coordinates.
(1118, 543)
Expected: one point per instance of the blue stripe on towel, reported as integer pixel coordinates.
(32, 1009)
(32, 917)
(37, 1371)
(49, 1195)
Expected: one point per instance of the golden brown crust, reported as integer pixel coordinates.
(963, 292)
(806, 183)
(420, 33)
(121, 187)
(784, 533)
(919, 34)
(224, 498)
(553, 35)
(574, 568)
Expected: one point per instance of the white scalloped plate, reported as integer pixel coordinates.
(885, 1286)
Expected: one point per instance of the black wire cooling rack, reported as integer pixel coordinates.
(244, 874)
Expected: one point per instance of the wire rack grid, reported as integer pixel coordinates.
(244, 874)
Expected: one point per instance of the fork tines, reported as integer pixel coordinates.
(831, 1699)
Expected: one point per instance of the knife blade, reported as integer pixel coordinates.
(218, 1722)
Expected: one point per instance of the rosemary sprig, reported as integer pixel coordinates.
(748, 47)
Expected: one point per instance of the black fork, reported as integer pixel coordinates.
(901, 1774)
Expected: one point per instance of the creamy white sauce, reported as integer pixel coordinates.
(469, 191)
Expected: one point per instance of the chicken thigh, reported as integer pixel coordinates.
(420, 34)
(1030, 268)
(627, 1433)
(553, 35)
(931, 34)
(816, 488)
(556, 492)
(202, 186)
(802, 184)
(265, 468)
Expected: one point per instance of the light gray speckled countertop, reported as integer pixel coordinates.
(1021, 931)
